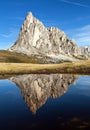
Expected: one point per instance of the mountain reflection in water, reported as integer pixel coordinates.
(37, 88)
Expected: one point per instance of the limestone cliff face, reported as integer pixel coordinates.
(35, 39)
(61, 44)
(37, 88)
(86, 50)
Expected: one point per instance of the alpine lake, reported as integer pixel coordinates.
(45, 101)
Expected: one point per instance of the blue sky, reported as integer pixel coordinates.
(71, 16)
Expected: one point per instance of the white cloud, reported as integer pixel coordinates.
(7, 39)
(17, 18)
(81, 35)
(74, 3)
(6, 35)
(12, 33)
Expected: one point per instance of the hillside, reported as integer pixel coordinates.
(13, 57)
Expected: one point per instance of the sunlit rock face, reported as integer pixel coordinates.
(35, 39)
(86, 50)
(37, 88)
(61, 43)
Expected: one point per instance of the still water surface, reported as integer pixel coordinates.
(40, 101)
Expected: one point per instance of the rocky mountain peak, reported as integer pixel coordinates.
(85, 50)
(29, 17)
(51, 44)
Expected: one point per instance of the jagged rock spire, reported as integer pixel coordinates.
(35, 39)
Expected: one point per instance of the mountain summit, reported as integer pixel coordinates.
(47, 44)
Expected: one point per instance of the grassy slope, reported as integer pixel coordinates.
(12, 57)
(14, 63)
(82, 67)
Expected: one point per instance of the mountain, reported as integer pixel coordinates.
(37, 88)
(47, 44)
(86, 50)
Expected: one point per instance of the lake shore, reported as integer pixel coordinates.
(81, 67)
